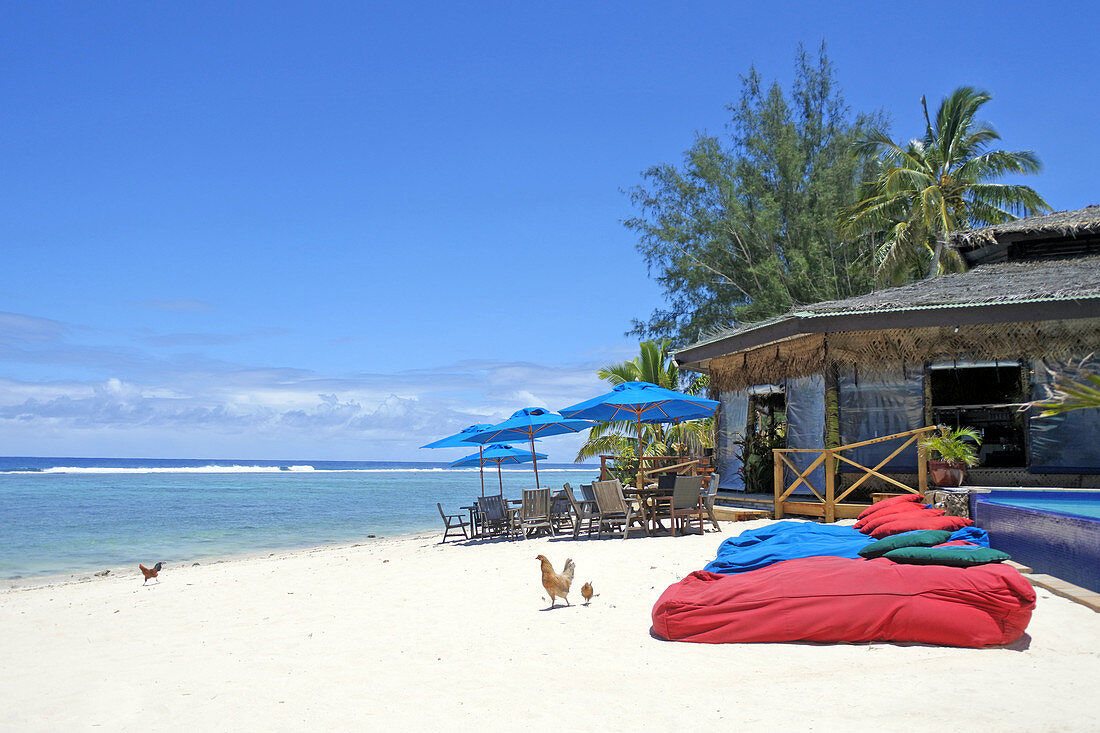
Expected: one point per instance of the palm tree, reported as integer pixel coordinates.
(651, 365)
(923, 191)
(1069, 393)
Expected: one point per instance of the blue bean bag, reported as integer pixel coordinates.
(758, 548)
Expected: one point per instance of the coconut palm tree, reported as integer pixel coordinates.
(1068, 395)
(928, 188)
(1077, 392)
(654, 365)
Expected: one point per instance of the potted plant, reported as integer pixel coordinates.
(956, 450)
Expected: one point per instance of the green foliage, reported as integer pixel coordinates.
(767, 429)
(757, 462)
(922, 191)
(746, 228)
(1071, 394)
(625, 465)
(954, 446)
(651, 365)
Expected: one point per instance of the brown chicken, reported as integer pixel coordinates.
(150, 572)
(587, 594)
(556, 584)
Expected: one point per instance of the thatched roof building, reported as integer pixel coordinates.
(876, 362)
(1058, 235)
(1008, 310)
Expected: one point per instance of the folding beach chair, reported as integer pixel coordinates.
(452, 522)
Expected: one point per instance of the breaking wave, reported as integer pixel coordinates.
(305, 468)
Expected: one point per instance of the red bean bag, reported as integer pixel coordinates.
(908, 506)
(837, 599)
(880, 505)
(875, 521)
(908, 522)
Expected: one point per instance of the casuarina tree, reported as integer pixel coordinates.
(745, 228)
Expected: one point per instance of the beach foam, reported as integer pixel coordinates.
(271, 469)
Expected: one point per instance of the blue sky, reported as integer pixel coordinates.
(340, 230)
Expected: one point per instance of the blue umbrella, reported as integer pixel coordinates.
(458, 440)
(498, 453)
(528, 423)
(642, 402)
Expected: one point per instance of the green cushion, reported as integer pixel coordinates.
(959, 557)
(920, 538)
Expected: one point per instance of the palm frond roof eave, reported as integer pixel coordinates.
(1059, 223)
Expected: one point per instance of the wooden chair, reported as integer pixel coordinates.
(686, 503)
(584, 513)
(707, 496)
(495, 517)
(560, 513)
(452, 521)
(613, 510)
(660, 503)
(587, 494)
(535, 512)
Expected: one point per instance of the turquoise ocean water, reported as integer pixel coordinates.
(60, 516)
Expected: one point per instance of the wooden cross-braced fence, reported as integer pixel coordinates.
(829, 505)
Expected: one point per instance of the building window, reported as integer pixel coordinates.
(984, 396)
(766, 429)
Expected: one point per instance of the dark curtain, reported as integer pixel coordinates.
(1066, 443)
(806, 426)
(733, 418)
(874, 405)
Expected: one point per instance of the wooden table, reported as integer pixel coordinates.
(647, 499)
(475, 519)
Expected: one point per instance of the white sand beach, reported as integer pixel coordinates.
(408, 634)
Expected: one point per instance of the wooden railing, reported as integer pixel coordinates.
(829, 506)
(690, 465)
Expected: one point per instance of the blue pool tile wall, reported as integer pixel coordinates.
(1061, 544)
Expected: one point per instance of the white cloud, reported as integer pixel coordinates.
(152, 406)
(20, 328)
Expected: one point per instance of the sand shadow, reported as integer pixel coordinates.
(1020, 645)
(556, 608)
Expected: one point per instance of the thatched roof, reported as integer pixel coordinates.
(1004, 292)
(1004, 282)
(1060, 223)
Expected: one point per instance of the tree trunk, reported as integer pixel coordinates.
(937, 253)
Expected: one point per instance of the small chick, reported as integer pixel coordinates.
(587, 594)
(150, 572)
(557, 584)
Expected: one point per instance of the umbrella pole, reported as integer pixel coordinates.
(481, 466)
(641, 478)
(500, 478)
(534, 460)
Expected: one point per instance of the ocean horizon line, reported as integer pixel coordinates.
(108, 465)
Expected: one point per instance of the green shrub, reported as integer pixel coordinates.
(954, 446)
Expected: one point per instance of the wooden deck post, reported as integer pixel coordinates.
(922, 470)
(830, 487)
(778, 485)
